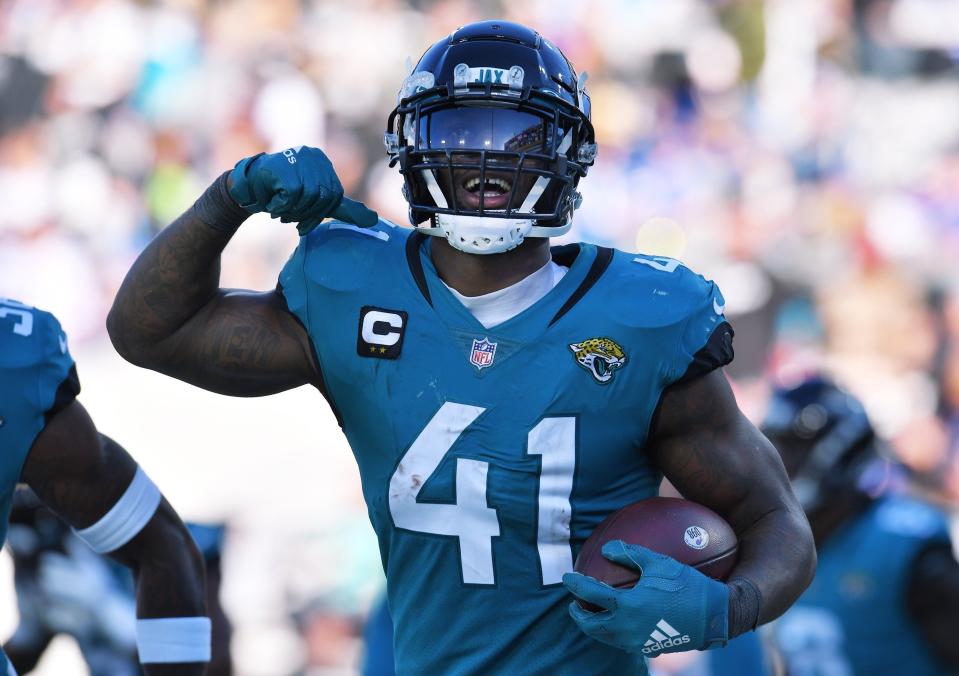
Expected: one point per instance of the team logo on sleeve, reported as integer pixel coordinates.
(483, 353)
(381, 332)
(602, 357)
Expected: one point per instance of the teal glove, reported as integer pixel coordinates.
(672, 608)
(299, 186)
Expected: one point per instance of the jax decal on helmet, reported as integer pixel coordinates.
(492, 133)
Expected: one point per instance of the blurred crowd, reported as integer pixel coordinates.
(803, 153)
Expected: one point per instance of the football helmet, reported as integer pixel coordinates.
(825, 439)
(492, 133)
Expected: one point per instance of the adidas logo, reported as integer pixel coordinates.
(664, 636)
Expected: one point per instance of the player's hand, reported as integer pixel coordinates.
(297, 185)
(672, 608)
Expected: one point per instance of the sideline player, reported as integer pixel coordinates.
(886, 597)
(63, 587)
(500, 397)
(48, 441)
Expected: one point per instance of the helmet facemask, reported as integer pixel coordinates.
(489, 165)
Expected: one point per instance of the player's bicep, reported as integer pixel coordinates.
(74, 469)
(93, 484)
(240, 343)
(713, 455)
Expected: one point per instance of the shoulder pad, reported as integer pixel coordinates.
(340, 256)
(35, 363)
(653, 291)
(30, 337)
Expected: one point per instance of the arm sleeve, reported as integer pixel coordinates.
(704, 338)
(293, 285)
(37, 379)
(292, 282)
(932, 599)
(57, 381)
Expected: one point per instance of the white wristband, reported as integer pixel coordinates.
(126, 518)
(174, 640)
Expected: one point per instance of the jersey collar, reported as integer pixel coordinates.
(586, 263)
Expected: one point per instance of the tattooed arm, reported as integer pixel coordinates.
(81, 474)
(171, 316)
(713, 455)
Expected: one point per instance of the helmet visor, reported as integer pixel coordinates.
(502, 129)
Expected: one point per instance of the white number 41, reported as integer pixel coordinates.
(470, 519)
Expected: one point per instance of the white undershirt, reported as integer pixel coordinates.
(494, 308)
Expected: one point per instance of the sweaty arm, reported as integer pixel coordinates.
(713, 455)
(171, 316)
(932, 600)
(86, 477)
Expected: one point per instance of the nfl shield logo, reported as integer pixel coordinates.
(483, 353)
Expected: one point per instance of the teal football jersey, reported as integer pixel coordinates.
(853, 619)
(487, 456)
(37, 378)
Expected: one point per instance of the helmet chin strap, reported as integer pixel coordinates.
(490, 235)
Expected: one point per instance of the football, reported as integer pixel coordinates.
(685, 530)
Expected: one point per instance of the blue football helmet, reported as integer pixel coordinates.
(492, 133)
(824, 437)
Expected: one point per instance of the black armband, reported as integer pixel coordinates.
(745, 601)
(217, 209)
(716, 353)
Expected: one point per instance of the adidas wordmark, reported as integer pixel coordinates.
(664, 636)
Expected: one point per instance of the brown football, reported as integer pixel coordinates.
(685, 530)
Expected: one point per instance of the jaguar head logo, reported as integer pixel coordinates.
(602, 357)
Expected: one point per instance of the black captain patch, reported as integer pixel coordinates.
(380, 333)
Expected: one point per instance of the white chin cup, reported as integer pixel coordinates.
(482, 234)
(485, 235)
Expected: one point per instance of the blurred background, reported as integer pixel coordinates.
(803, 153)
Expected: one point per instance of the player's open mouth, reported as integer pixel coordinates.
(495, 190)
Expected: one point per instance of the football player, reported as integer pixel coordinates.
(501, 397)
(48, 441)
(886, 597)
(63, 587)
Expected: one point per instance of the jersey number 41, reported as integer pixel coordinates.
(470, 519)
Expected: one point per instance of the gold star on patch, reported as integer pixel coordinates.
(382, 350)
(372, 348)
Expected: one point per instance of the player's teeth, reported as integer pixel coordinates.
(474, 183)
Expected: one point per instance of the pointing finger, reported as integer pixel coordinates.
(357, 213)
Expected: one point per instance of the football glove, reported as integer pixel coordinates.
(672, 608)
(297, 185)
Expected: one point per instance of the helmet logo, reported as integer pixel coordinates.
(464, 75)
